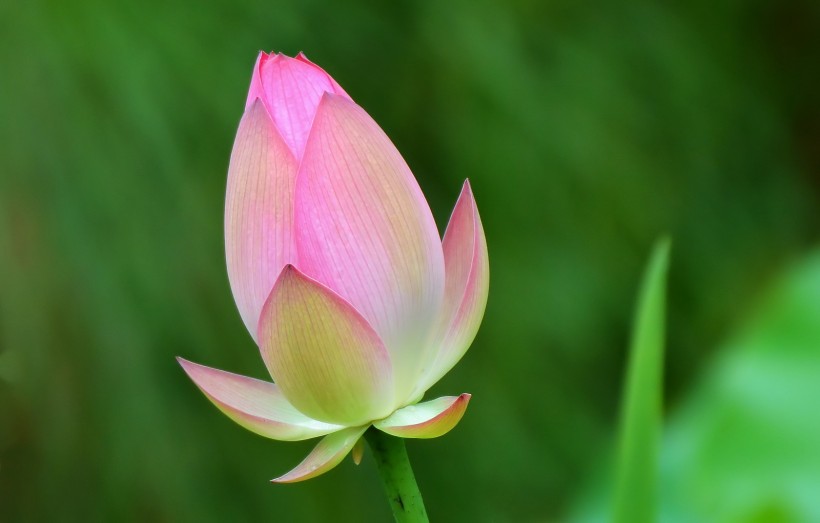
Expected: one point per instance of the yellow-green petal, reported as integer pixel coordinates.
(430, 419)
(326, 358)
(326, 455)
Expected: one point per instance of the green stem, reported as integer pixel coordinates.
(397, 477)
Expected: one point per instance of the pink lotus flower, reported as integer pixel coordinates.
(339, 274)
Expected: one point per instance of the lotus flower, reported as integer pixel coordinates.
(339, 274)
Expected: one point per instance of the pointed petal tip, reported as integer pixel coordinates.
(288, 273)
(187, 365)
(337, 89)
(285, 478)
(256, 89)
(334, 100)
(253, 101)
(327, 97)
(467, 192)
(255, 108)
(358, 452)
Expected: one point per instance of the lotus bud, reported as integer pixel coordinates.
(339, 274)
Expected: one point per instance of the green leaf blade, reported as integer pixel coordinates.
(635, 495)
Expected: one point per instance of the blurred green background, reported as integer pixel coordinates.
(587, 130)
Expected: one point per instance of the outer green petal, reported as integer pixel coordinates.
(430, 419)
(257, 405)
(328, 361)
(326, 455)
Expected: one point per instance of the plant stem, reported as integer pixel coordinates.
(397, 477)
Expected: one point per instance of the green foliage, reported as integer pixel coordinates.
(636, 483)
(743, 446)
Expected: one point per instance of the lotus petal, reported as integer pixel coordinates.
(291, 89)
(364, 229)
(257, 91)
(258, 212)
(328, 361)
(257, 405)
(337, 89)
(430, 419)
(326, 455)
(467, 283)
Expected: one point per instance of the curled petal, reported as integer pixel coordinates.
(328, 361)
(291, 89)
(364, 229)
(326, 455)
(257, 405)
(430, 419)
(467, 284)
(258, 212)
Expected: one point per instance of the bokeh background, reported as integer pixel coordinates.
(587, 131)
